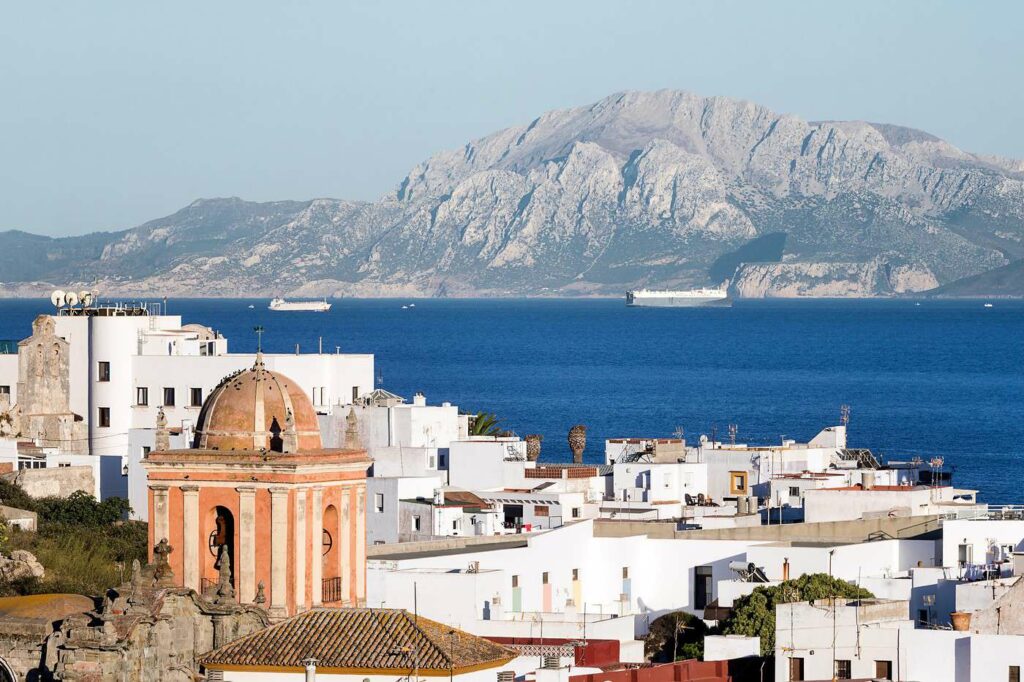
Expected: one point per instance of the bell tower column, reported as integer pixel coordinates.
(345, 554)
(190, 536)
(279, 551)
(360, 558)
(300, 550)
(161, 513)
(246, 544)
(316, 573)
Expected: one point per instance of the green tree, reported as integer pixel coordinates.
(754, 614)
(676, 636)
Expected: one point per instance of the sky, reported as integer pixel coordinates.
(115, 113)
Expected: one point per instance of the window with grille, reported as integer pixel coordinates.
(843, 670)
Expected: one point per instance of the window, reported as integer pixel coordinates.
(456, 525)
(142, 395)
(31, 464)
(431, 461)
(575, 574)
(702, 587)
(378, 503)
(540, 510)
(104, 417)
(103, 371)
(206, 348)
(625, 572)
(355, 394)
(1014, 673)
(195, 397)
(544, 578)
(63, 465)
(168, 397)
(883, 670)
(794, 491)
(515, 581)
(316, 396)
(442, 462)
(738, 482)
(5, 390)
(575, 512)
(146, 450)
(796, 669)
(966, 554)
(415, 524)
(843, 670)
(922, 616)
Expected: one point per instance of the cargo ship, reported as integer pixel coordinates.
(302, 306)
(678, 299)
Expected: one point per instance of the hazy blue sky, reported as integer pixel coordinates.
(112, 114)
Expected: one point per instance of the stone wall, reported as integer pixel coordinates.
(53, 482)
(43, 412)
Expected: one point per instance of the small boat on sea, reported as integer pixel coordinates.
(279, 304)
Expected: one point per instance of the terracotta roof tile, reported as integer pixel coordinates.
(382, 639)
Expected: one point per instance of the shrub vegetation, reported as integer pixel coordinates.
(85, 545)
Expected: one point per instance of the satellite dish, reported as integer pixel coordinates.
(71, 298)
(85, 298)
(58, 298)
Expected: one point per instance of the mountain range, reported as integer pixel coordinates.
(641, 189)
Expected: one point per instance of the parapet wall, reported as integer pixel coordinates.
(829, 531)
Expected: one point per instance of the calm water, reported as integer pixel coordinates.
(931, 379)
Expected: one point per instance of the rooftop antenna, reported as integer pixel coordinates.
(679, 433)
(732, 434)
(259, 337)
(844, 414)
(58, 299)
(714, 434)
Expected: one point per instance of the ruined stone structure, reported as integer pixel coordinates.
(258, 502)
(43, 410)
(53, 482)
(141, 630)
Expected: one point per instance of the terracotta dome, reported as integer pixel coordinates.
(257, 409)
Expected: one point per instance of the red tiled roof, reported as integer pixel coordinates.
(363, 639)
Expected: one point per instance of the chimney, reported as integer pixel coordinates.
(961, 621)
(310, 664)
(438, 496)
(867, 480)
(419, 400)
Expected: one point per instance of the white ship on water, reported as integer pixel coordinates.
(301, 306)
(678, 299)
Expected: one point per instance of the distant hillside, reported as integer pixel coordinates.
(665, 189)
(1007, 281)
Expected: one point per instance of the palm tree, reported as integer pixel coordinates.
(578, 442)
(484, 424)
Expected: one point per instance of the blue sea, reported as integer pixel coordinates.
(922, 378)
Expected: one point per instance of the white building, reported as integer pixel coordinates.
(839, 639)
(127, 362)
(555, 576)
(873, 501)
